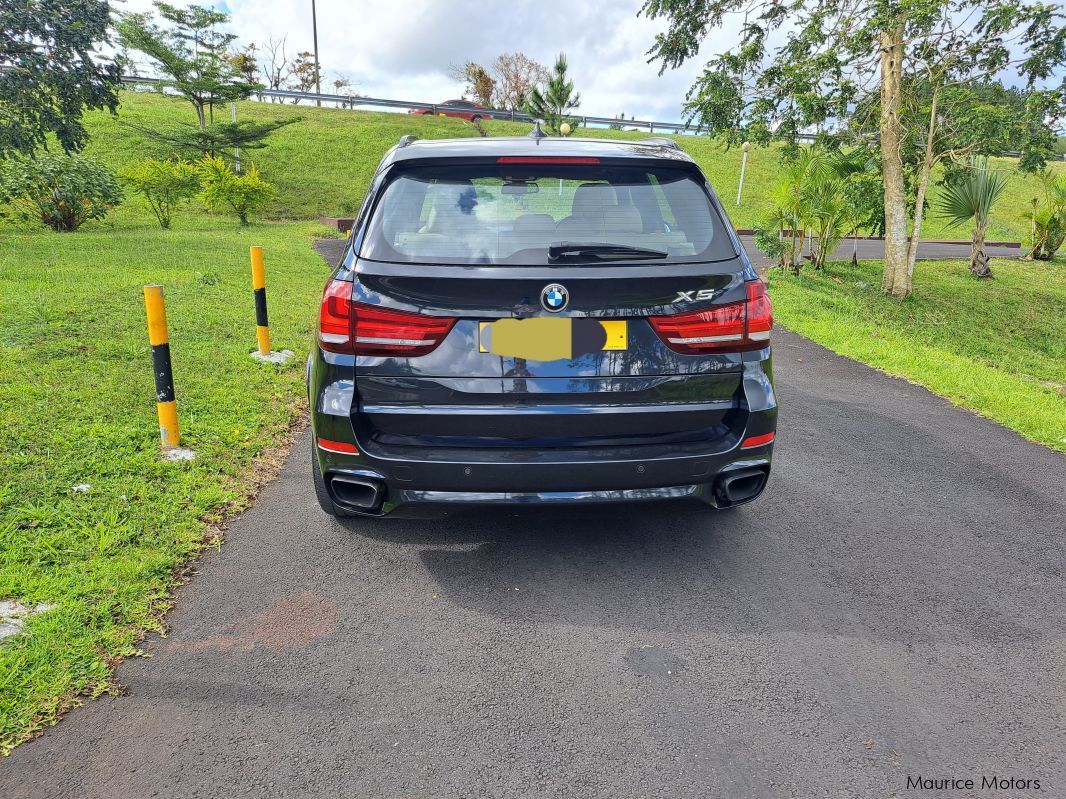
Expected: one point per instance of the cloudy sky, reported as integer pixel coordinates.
(401, 49)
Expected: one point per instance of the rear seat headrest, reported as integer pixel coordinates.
(622, 219)
(592, 198)
(534, 224)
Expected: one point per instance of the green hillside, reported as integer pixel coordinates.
(322, 165)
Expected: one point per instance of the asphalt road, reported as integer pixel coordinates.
(867, 249)
(893, 606)
(872, 249)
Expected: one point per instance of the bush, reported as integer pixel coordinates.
(163, 184)
(224, 189)
(772, 243)
(61, 190)
(1048, 218)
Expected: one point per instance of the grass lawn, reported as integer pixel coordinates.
(997, 347)
(323, 164)
(77, 407)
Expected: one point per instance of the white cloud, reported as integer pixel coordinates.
(401, 49)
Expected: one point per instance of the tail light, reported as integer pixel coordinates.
(734, 327)
(358, 329)
(335, 317)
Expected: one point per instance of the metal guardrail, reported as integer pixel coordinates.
(352, 101)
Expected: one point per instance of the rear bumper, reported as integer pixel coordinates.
(406, 483)
(409, 477)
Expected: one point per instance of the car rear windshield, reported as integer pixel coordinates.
(542, 213)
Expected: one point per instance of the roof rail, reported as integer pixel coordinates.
(406, 139)
(661, 141)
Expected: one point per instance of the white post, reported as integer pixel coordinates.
(236, 149)
(746, 147)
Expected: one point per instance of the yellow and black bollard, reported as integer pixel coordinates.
(166, 406)
(262, 325)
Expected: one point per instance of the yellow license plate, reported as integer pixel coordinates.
(551, 338)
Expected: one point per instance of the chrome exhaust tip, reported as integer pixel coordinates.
(356, 493)
(739, 486)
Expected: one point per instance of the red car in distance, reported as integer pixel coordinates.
(463, 109)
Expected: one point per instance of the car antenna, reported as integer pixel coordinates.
(537, 132)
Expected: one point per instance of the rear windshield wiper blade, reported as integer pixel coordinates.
(614, 252)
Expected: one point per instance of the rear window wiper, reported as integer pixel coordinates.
(604, 252)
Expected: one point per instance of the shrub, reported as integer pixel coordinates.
(1048, 218)
(61, 190)
(772, 243)
(163, 184)
(224, 189)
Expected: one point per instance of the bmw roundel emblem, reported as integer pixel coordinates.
(554, 297)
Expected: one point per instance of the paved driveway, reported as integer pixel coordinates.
(893, 606)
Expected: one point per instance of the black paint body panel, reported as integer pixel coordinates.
(462, 426)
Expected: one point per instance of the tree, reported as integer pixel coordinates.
(515, 75)
(947, 125)
(342, 84)
(479, 84)
(51, 72)
(218, 138)
(191, 53)
(836, 52)
(276, 67)
(245, 63)
(972, 197)
(303, 74)
(556, 100)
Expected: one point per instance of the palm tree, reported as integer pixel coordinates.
(973, 198)
(852, 168)
(556, 100)
(829, 217)
(794, 196)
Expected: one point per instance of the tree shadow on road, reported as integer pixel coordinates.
(655, 566)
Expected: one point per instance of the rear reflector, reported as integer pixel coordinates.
(734, 327)
(540, 159)
(358, 329)
(343, 447)
(757, 441)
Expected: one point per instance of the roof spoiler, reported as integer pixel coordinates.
(661, 141)
(406, 139)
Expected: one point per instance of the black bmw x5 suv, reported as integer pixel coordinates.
(540, 320)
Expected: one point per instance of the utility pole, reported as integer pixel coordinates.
(236, 149)
(746, 148)
(314, 34)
